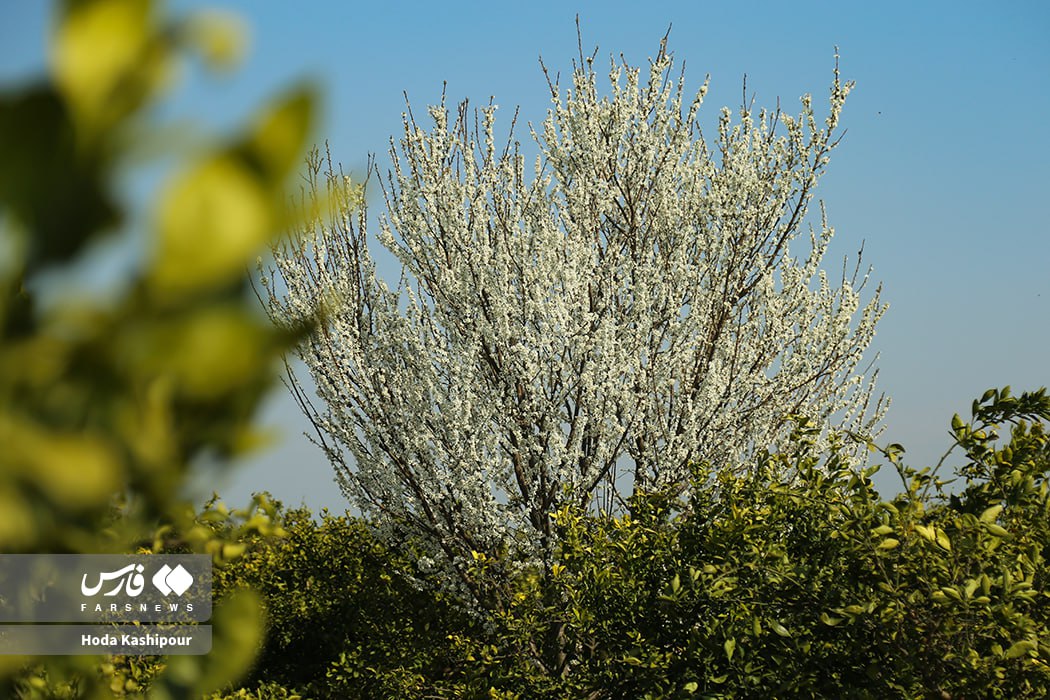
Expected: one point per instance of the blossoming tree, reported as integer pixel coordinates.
(632, 304)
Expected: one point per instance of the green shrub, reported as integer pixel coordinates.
(346, 617)
(812, 585)
(791, 579)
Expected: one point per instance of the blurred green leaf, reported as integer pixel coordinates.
(212, 217)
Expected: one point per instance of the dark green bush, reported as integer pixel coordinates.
(346, 617)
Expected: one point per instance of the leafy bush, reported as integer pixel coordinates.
(346, 617)
(798, 580)
(794, 578)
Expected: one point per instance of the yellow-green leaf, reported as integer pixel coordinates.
(76, 471)
(943, 541)
(926, 532)
(105, 57)
(280, 135)
(829, 620)
(214, 218)
(237, 630)
(231, 551)
(205, 355)
(997, 530)
(990, 514)
(17, 527)
(888, 543)
(730, 647)
(1019, 649)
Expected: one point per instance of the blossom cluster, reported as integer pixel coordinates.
(635, 302)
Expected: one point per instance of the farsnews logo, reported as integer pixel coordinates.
(169, 580)
(110, 588)
(129, 578)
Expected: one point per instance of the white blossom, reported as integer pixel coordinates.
(637, 302)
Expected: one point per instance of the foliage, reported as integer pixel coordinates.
(105, 403)
(798, 580)
(346, 617)
(793, 578)
(639, 301)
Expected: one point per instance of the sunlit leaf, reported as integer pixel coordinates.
(213, 220)
(997, 530)
(280, 134)
(1019, 649)
(990, 514)
(106, 58)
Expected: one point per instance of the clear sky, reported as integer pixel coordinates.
(944, 172)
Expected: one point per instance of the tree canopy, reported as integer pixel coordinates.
(636, 304)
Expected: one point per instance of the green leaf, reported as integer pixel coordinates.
(1019, 649)
(102, 78)
(829, 620)
(888, 543)
(780, 629)
(926, 532)
(997, 530)
(214, 218)
(990, 514)
(943, 541)
(279, 137)
(47, 183)
(730, 647)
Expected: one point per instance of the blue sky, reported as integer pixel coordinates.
(944, 172)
